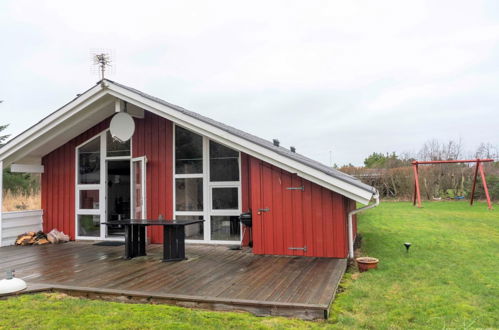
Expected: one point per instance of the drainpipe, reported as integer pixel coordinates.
(350, 226)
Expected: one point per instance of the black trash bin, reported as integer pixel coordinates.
(246, 220)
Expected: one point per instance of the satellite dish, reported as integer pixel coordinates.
(122, 127)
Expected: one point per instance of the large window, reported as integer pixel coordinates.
(97, 181)
(225, 190)
(225, 228)
(189, 180)
(189, 194)
(224, 163)
(207, 186)
(194, 231)
(89, 199)
(225, 198)
(188, 152)
(115, 148)
(89, 162)
(88, 189)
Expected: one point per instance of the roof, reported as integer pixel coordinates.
(262, 142)
(260, 148)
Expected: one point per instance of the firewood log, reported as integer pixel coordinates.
(23, 238)
(25, 241)
(42, 241)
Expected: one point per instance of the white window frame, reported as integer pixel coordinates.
(101, 187)
(207, 194)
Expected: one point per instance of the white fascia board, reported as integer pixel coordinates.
(238, 143)
(26, 168)
(52, 120)
(20, 149)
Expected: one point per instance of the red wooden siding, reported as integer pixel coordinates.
(153, 138)
(58, 183)
(315, 217)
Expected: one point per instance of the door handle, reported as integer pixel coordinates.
(298, 248)
(263, 210)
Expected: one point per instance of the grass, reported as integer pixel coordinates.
(449, 279)
(19, 202)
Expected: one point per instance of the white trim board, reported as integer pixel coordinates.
(29, 140)
(26, 168)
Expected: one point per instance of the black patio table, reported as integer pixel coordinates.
(173, 237)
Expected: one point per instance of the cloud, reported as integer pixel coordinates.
(352, 77)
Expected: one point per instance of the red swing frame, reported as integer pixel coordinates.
(478, 167)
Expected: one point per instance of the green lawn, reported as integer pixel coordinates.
(450, 279)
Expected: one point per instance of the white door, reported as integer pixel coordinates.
(139, 187)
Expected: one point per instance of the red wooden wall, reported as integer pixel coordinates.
(314, 217)
(153, 138)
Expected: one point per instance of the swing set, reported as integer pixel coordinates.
(478, 168)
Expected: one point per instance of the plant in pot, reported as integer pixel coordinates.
(366, 263)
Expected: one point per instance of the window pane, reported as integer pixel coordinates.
(89, 162)
(189, 194)
(188, 152)
(224, 163)
(89, 199)
(225, 228)
(194, 231)
(225, 198)
(89, 225)
(116, 148)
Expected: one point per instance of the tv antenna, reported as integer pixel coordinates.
(102, 60)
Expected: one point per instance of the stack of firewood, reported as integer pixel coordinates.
(32, 238)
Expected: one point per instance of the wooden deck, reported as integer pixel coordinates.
(213, 277)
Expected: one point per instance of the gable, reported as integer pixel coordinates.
(98, 103)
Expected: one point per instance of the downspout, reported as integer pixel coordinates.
(350, 225)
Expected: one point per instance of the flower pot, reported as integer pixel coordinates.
(366, 263)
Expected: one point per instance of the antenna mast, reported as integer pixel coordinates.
(103, 60)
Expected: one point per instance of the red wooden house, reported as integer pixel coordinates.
(179, 164)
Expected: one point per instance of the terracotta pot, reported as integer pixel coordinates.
(366, 263)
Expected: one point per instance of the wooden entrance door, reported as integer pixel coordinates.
(277, 198)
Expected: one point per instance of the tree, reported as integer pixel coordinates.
(20, 183)
(436, 150)
(379, 160)
(3, 137)
(375, 160)
(17, 183)
(486, 150)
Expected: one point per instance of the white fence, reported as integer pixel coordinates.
(15, 223)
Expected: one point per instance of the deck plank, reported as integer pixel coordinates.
(213, 277)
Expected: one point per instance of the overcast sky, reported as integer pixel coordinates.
(352, 77)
